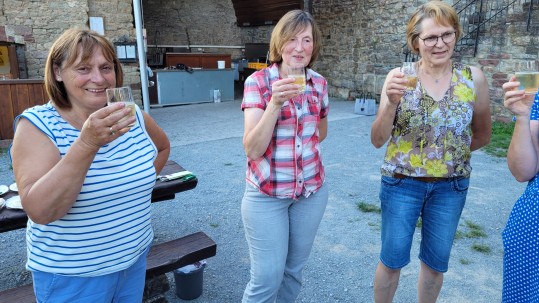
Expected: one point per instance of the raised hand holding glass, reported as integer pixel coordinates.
(528, 76)
(410, 74)
(298, 73)
(122, 94)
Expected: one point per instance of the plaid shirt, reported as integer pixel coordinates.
(292, 164)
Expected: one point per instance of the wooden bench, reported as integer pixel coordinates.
(162, 258)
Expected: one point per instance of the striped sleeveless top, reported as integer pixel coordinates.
(109, 225)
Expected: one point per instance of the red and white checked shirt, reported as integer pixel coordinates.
(292, 164)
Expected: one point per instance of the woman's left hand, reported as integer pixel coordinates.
(106, 124)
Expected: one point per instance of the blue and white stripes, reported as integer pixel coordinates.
(109, 225)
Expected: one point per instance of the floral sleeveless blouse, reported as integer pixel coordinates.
(432, 138)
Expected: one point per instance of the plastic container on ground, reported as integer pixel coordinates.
(189, 280)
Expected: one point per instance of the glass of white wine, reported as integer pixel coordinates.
(298, 73)
(410, 74)
(122, 94)
(528, 76)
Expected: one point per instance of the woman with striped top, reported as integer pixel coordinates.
(85, 178)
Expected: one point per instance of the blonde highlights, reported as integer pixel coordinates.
(442, 13)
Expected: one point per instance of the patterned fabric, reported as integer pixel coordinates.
(109, 225)
(292, 164)
(520, 242)
(432, 138)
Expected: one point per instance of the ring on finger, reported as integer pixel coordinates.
(112, 132)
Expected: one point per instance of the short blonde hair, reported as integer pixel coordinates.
(443, 13)
(65, 51)
(289, 25)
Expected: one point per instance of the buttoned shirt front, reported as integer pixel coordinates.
(292, 164)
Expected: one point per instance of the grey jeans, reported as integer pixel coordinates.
(280, 234)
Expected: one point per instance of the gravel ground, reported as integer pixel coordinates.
(206, 139)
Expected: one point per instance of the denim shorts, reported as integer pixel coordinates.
(439, 204)
(125, 286)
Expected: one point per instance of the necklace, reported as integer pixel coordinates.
(437, 80)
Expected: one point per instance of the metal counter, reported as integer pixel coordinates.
(181, 87)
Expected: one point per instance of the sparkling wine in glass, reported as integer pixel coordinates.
(528, 76)
(410, 74)
(122, 94)
(298, 73)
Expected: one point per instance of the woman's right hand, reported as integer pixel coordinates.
(282, 90)
(105, 125)
(516, 100)
(395, 87)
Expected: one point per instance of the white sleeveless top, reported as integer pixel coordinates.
(109, 225)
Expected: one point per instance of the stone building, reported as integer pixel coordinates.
(363, 39)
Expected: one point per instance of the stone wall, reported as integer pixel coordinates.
(362, 42)
(363, 39)
(34, 25)
(202, 23)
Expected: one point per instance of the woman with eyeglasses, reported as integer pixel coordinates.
(432, 130)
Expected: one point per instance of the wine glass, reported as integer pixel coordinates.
(528, 76)
(122, 94)
(298, 73)
(410, 74)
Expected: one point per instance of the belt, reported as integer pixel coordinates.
(422, 179)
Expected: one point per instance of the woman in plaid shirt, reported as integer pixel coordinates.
(285, 198)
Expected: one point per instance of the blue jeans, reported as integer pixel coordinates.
(439, 204)
(126, 286)
(280, 234)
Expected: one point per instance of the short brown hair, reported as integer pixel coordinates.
(443, 13)
(65, 51)
(290, 24)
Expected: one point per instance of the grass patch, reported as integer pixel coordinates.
(459, 235)
(368, 208)
(214, 225)
(465, 261)
(485, 249)
(500, 139)
(419, 223)
(374, 225)
(474, 230)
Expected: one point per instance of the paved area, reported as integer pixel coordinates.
(207, 139)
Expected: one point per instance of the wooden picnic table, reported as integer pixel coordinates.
(12, 219)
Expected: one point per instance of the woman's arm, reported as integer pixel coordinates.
(523, 152)
(323, 129)
(160, 139)
(259, 124)
(481, 120)
(392, 92)
(48, 183)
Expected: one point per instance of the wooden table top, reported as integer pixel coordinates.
(11, 219)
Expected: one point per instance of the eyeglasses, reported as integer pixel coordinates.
(433, 40)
